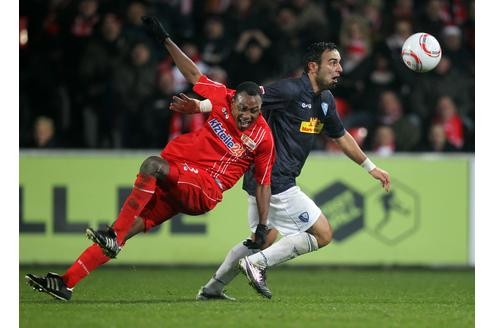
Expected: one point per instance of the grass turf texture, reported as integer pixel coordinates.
(165, 297)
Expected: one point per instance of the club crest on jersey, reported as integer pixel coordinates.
(304, 217)
(248, 142)
(324, 107)
(235, 148)
(313, 126)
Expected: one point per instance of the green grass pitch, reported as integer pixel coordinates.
(302, 297)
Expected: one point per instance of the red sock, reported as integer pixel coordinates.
(144, 188)
(89, 260)
(93, 257)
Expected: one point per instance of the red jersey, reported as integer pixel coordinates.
(220, 147)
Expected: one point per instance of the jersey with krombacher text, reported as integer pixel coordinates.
(220, 147)
(296, 116)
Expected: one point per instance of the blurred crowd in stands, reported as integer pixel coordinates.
(91, 78)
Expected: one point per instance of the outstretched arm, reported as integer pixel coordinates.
(185, 65)
(185, 105)
(354, 152)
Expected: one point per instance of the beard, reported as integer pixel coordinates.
(323, 84)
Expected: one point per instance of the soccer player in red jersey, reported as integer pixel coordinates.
(190, 175)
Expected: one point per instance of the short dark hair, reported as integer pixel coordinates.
(249, 87)
(315, 50)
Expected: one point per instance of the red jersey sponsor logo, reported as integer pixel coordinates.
(235, 148)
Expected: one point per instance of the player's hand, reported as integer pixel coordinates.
(184, 104)
(259, 237)
(383, 176)
(154, 28)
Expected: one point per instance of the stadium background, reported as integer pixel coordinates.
(93, 103)
(95, 90)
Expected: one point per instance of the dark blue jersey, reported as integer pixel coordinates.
(296, 116)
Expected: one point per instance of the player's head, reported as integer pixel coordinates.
(322, 63)
(246, 104)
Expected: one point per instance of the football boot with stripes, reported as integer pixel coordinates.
(107, 240)
(256, 277)
(51, 284)
(203, 295)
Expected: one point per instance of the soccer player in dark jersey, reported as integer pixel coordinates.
(297, 110)
(190, 174)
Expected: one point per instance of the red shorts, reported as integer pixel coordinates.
(188, 190)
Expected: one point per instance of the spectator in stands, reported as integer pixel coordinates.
(433, 17)
(437, 140)
(407, 128)
(251, 60)
(453, 47)
(286, 42)
(381, 77)
(82, 26)
(79, 24)
(67, 65)
(355, 42)
(403, 10)
(243, 15)
(133, 83)
(311, 25)
(155, 111)
(402, 30)
(396, 11)
(444, 80)
(372, 13)
(86, 19)
(44, 133)
(132, 28)
(106, 50)
(216, 46)
(384, 140)
(451, 122)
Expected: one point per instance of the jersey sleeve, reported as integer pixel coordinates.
(276, 93)
(264, 159)
(334, 127)
(214, 91)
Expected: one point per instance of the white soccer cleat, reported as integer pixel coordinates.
(256, 277)
(205, 296)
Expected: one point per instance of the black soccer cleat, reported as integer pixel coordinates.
(51, 284)
(203, 295)
(256, 277)
(107, 240)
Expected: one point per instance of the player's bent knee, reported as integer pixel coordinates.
(155, 166)
(328, 236)
(322, 231)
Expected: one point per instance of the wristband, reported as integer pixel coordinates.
(368, 165)
(205, 106)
